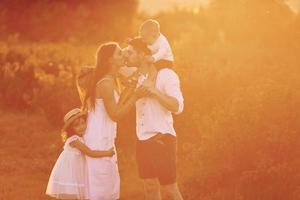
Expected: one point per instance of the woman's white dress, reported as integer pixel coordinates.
(103, 173)
(68, 179)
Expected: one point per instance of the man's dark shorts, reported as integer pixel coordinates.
(156, 158)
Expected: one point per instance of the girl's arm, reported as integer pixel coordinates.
(91, 153)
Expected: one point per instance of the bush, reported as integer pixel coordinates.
(40, 77)
(239, 134)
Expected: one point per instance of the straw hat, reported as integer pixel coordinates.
(71, 116)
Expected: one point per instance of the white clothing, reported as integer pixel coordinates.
(103, 173)
(151, 116)
(161, 49)
(68, 179)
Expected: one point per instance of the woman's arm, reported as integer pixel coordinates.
(117, 110)
(130, 86)
(87, 151)
(126, 94)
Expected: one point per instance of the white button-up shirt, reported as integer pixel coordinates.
(151, 116)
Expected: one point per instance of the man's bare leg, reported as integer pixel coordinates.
(152, 190)
(171, 192)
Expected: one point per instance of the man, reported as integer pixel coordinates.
(156, 145)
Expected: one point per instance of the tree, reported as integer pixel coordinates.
(256, 20)
(89, 20)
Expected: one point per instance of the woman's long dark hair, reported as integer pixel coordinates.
(104, 53)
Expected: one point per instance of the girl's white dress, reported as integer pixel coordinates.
(68, 179)
(103, 173)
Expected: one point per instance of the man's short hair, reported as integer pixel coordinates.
(138, 44)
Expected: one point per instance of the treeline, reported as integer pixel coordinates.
(238, 62)
(64, 20)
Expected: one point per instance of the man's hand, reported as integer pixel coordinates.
(142, 92)
(168, 102)
(148, 83)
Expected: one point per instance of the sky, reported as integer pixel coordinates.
(295, 5)
(154, 6)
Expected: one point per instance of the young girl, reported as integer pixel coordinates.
(68, 179)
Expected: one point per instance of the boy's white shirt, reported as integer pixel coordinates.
(161, 49)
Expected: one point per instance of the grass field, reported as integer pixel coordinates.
(238, 64)
(29, 149)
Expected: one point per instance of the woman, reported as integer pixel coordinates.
(102, 101)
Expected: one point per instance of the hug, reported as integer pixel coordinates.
(87, 168)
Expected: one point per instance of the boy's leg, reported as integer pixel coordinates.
(152, 189)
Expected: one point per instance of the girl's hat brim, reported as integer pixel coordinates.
(69, 121)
